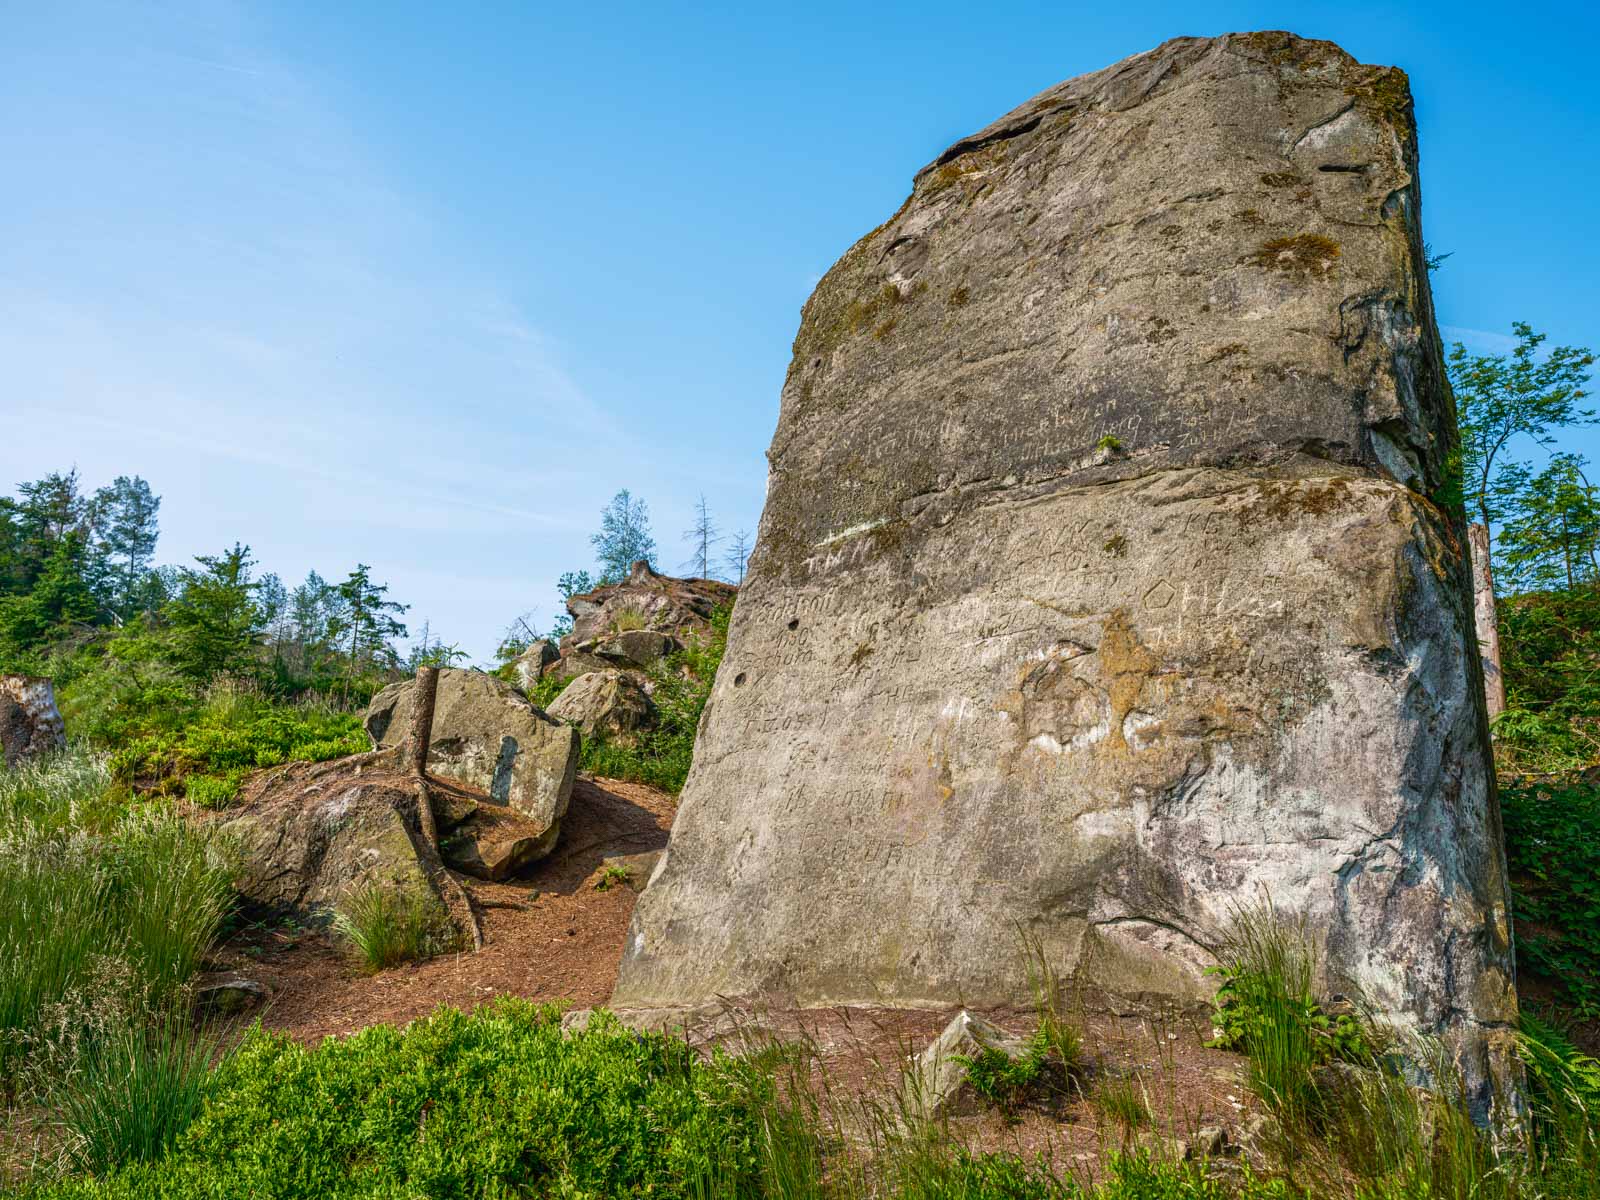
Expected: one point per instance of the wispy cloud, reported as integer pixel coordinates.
(1479, 339)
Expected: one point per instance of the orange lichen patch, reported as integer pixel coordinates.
(1125, 665)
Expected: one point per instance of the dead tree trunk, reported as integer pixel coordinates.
(459, 899)
(1485, 620)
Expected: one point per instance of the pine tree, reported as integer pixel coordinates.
(216, 624)
(624, 537)
(126, 529)
(738, 555)
(363, 627)
(701, 538)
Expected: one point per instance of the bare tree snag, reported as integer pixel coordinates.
(1485, 621)
(416, 756)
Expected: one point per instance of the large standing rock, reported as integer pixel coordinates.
(30, 723)
(488, 736)
(1099, 587)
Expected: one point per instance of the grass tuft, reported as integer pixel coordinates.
(387, 926)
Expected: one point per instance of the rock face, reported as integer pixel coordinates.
(488, 736)
(30, 723)
(1098, 588)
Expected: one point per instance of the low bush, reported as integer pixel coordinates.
(500, 1103)
(231, 731)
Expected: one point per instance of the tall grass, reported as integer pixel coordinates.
(87, 880)
(387, 926)
(1351, 1123)
(134, 1088)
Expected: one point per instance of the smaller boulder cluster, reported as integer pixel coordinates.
(620, 635)
(500, 769)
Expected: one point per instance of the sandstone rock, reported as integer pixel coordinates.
(495, 843)
(646, 601)
(1152, 616)
(636, 868)
(487, 735)
(937, 1082)
(1210, 1141)
(532, 663)
(609, 704)
(229, 996)
(30, 723)
(636, 648)
(575, 1021)
(311, 835)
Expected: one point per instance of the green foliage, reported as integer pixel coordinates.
(499, 1103)
(1002, 1080)
(609, 878)
(1265, 1009)
(624, 537)
(135, 1087)
(216, 626)
(232, 730)
(1553, 856)
(494, 1104)
(1549, 645)
(661, 756)
(1502, 399)
(387, 926)
(90, 886)
(1110, 443)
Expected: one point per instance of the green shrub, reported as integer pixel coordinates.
(232, 731)
(211, 791)
(1266, 1010)
(1553, 855)
(387, 926)
(493, 1104)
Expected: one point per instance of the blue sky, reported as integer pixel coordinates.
(422, 285)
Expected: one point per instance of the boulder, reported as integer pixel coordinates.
(635, 648)
(488, 736)
(495, 843)
(635, 869)
(310, 836)
(609, 704)
(937, 1080)
(229, 996)
(30, 723)
(1163, 608)
(532, 663)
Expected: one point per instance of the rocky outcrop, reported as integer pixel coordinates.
(530, 665)
(644, 600)
(1101, 587)
(30, 723)
(608, 704)
(486, 735)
